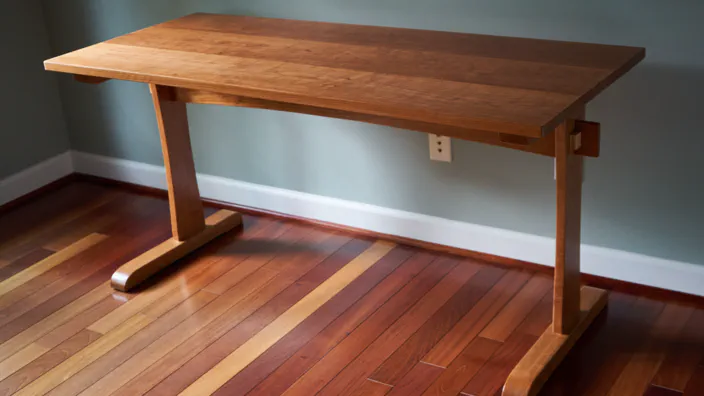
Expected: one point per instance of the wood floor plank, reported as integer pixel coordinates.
(642, 367)
(685, 353)
(379, 350)
(19, 220)
(10, 269)
(506, 321)
(106, 217)
(221, 257)
(31, 226)
(194, 278)
(56, 277)
(54, 320)
(371, 388)
(50, 262)
(659, 391)
(283, 238)
(695, 386)
(21, 359)
(631, 339)
(93, 265)
(34, 213)
(237, 336)
(55, 337)
(463, 368)
(81, 320)
(412, 351)
(259, 343)
(275, 356)
(168, 292)
(432, 280)
(315, 243)
(91, 223)
(47, 361)
(637, 346)
(593, 349)
(130, 346)
(26, 312)
(101, 219)
(179, 345)
(148, 367)
(417, 380)
(50, 306)
(539, 316)
(399, 290)
(84, 357)
(53, 313)
(492, 376)
(156, 294)
(185, 284)
(457, 339)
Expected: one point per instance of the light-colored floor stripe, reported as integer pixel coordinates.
(51, 225)
(54, 320)
(85, 356)
(255, 346)
(48, 263)
(22, 358)
(138, 303)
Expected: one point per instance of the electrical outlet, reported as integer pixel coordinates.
(440, 148)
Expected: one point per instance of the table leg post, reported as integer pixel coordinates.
(574, 308)
(189, 229)
(568, 171)
(184, 199)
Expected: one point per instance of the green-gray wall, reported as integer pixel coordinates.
(645, 194)
(32, 127)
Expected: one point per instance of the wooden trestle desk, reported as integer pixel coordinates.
(518, 93)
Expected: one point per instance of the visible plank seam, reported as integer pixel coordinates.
(379, 382)
(259, 343)
(50, 262)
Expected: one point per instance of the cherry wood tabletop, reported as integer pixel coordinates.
(499, 84)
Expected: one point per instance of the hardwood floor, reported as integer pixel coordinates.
(284, 308)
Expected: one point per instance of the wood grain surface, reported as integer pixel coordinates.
(569, 169)
(184, 198)
(430, 323)
(497, 84)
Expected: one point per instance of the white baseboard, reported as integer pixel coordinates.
(610, 263)
(35, 177)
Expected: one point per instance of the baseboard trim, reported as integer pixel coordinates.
(488, 243)
(19, 186)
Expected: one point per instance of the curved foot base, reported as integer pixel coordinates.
(150, 262)
(531, 373)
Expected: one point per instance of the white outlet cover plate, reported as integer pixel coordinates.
(440, 148)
